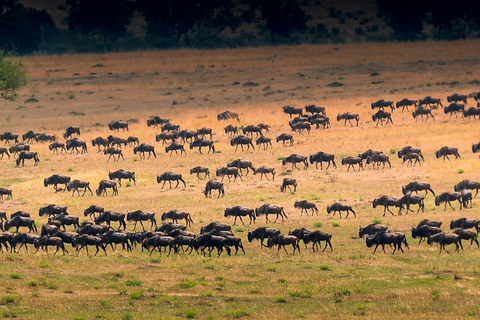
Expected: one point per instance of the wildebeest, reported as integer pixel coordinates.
(52, 209)
(241, 164)
(408, 200)
(215, 225)
(380, 104)
(17, 222)
(92, 210)
(467, 235)
(294, 159)
(406, 103)
(19, 147)
(27, 155)
(314, 236)
(454, 108)
(409, 149)
(66, 219)
(241, 140)
(76, 143)
(314, 109)
(347, 116)
(29, 136)
(70, 131)
(55, 180)
(321, 157)
(372, 229)
(429, 101)
(304, 205)
(227, 115)
(103, 185)
(77, 184)
(84, 240)
(112, 152)
(122, 174)
(409, 157)
(475, 147)
(231, 130)
(5, 191)
(287, 182)
(4, 150)
(262, 233)
(467, 184)
(472, 111)
(170, 176)
(377, 158)
(250, 129)
(214, 184)
(140, 216)
(156, 121)
(282, 240)
(263, 170)
(285, 137)
(57, 145)
(200, 169)
(133, 141)
(292, 110)
(423, 111)
(144, 147)
(175, 147)
(176, 215)
(186, 135)
(465, 224)
(415, 186)
(116, 141)
(431, 223)
(7, 136)
(204, 131)
(42, 137)
(445, 151)
(301, 126)
(424, 232)
(387, 201)
(383, 238)
(171, 127)
(457, 97)
(351, 161)
(109, 216)
(44, 242)
(164, 136)
(157, 242)
(338, 207)
(447, 197)
(117, 125)
(203, 143)
(228, 171)
(445, 238)
(239, 212)
(262, 140)
(381, 115)
(268, 208)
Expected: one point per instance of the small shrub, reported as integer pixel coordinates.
(393, 151)
(435, 294)
(70, 169)
(335, 84)
(281, 280)
(127, 316)
(318, 224)
(324, 267)
(460, 171)
(10, 299)
(43, 264)
(334, 223)
(133, 282)
(376, 220)
(190, 314)
(136, 295)
(280, 299)
(15, 275)
(32, 283)
(105, 303)
(271, 269)
(186, 284)
(239, 229)
(237, 313)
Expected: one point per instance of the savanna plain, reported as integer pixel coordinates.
(190, 88)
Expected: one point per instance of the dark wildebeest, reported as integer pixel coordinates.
(294, 159)
(156, 121)
(406, 103)
(76, 143)
(457, 97)
(104, 184)
(431, 223)
(409, 157)
(186, 135)
(199, 170)
(70, 131)
(4, 150)
(42, 137)
(377, 158)
(139, 216)
(423, 111)
(170, 176)
(175, 147)
(215, 225)
(347, 116)
(351, 161)
(466, 198)
(381, 104)
(114, 237)
(292, 110)
(117, 125)
(29, 136)
(84, 240)
(250, 129)
(239, 212)
(304, 205)
(383, 238)
(214, 184)
(170, 127)
(429, 101)
(7, 136)
(381, 115)
(113, 152)
(263, 170)
(467, 235)
(227, 115)
(231, 130)
(262, 140)
(18, 221)
(133, 141)
(176, 215)
(409, 149)
(282, 240)
(66, 220)
(415, 186)
(467, 184)
(57, 145)
(142, 148)
(19, 147)
(424, 232)
(264, 126)
(314, 109)
(55, 180)
(472, 111)
(445, 238)
(159, 242)
(268, 208)
(229, 171)
(116, 141)
(164, 136)
(316, 237)
(262, 233)
(122, 174)
(52, 209)
(372, 229)
(44, 242)
(204, 131)
(338, 207)
(77, 184)
(27, 155)
(92, 210)
(475, 147)
(465, 224)
(387, 201)
(447, 197)
(241, 140)
(5, 191)
(287, 182)
(301, 126)
(410, 199)
(445, 151)
(322, 121)
(454, 108)
(322, 157)
(285, 137)
(241, 164)
(203, 143)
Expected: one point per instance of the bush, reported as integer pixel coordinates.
(13, 76)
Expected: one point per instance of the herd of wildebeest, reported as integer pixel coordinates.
(98, 232)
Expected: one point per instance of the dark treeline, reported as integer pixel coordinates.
(102, 25)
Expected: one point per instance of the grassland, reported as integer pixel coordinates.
(190, 88)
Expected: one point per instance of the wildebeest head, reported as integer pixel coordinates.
(437, 154)
(370, 241)
(437, 201)
(329, 209)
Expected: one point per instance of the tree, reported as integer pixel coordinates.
(106, 18)
(282, 17)
(13, 76)
(404, 16)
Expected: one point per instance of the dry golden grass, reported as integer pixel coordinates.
(190, 88)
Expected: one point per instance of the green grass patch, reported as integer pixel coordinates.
(136, 295)
(133, 282)
(190, 314)
(435, 294)
(376, 220)
(10, 299)
(280, 299)
(318, 224)
(15, 275)
(236, 313)
(186, 284)
(325, 267)
(335, 224)
(44, 264)
(32, 283)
